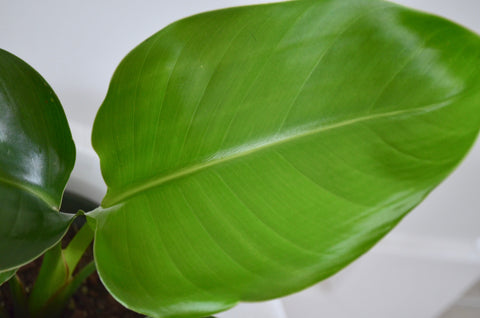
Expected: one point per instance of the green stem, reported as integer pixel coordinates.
(52, 276)
(77, 247)
(56, 275)
(19, 297)
(57, 303)
(80, 277)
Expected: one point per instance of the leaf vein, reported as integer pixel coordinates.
(272, 229)
(249, 149)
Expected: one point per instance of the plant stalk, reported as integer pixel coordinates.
(57, 302)
(19, 297)
(55, 283)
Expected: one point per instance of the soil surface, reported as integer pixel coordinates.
(91, 299)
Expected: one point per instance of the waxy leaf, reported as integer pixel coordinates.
(254, 151)
(37, 156)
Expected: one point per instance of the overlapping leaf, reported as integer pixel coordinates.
(37, 156)
(254, 151)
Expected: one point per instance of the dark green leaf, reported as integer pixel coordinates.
(4, 276)
(37, 156)
(252, 152)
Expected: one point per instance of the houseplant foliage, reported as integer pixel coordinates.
(248, 152)
(37, 156)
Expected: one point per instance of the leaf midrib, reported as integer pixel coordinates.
(38, 194)
(157, 181)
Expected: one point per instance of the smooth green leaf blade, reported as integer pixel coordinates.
(254, 151)
(37, 157)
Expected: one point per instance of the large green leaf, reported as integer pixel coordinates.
(37, 156)
(254, 151)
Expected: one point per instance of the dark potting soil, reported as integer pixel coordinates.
(91, 299)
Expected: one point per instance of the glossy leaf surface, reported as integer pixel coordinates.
(37, 156)
(254, 151)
